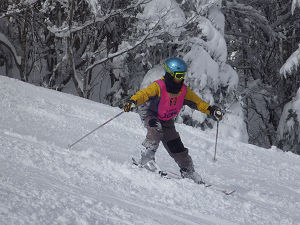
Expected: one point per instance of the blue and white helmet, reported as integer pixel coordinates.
(174, 65)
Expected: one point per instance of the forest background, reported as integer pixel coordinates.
(242, 55)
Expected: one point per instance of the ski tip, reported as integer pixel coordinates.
(228, 192)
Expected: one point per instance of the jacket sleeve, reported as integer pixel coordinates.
(143, 95)
(195, 102)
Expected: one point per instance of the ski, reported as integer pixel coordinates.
(213, 187)
(166, 175)
(207, 185)
(226, 192)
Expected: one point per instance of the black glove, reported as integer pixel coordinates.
(129, 105)
(215, 112)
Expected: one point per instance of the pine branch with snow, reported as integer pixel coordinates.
(295, 4)
(291, 64)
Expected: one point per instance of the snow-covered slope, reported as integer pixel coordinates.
(42, 182)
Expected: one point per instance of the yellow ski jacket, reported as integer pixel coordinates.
(152, 93)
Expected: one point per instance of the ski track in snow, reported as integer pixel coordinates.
(42, 182)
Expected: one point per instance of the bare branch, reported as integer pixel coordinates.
(113, 55)
(65, 31)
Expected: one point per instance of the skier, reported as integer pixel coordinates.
(159, 103)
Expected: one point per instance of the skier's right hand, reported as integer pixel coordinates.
(129, 106)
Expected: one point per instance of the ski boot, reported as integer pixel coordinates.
(191, 174)
(148, 160)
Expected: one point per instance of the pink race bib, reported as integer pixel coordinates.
(170, 104)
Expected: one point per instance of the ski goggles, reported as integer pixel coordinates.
(179, 75)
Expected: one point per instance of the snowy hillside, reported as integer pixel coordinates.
(41, 182)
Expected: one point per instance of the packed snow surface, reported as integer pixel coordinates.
(42, 182)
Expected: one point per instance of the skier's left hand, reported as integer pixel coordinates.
(216, 113)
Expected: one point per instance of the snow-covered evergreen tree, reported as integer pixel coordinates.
(295, 4)
(288, 130)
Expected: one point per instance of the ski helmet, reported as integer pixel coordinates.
(176, 67)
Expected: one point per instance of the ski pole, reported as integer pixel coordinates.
(215, 159)
(71, 145)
